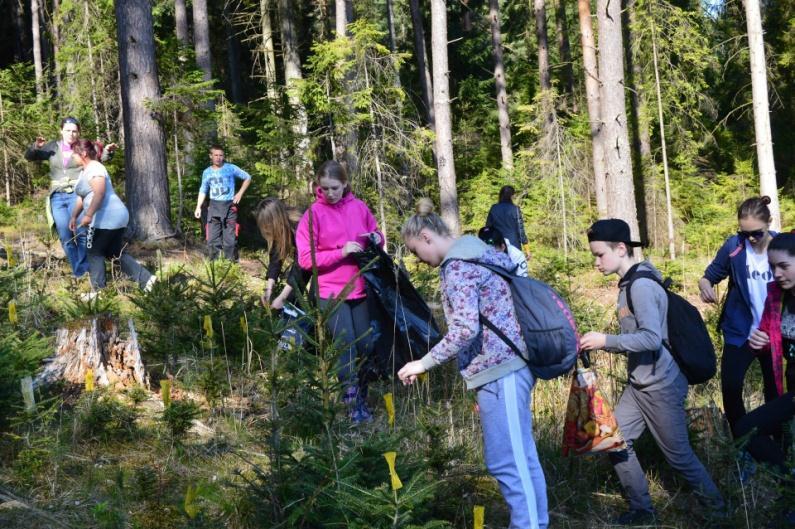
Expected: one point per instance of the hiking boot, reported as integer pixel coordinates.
(637, 517)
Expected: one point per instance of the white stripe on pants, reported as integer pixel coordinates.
(510, 449)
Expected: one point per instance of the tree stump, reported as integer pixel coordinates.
(96, 345)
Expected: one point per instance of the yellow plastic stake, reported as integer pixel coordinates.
(390, 460)
(191, 509)
(12, 262)
(390, 408)
(89, 380)
(244, 325)
(12, 312)
(165, 392)
(26, 384)
(423, 377)
(479, 514)
(208, 327)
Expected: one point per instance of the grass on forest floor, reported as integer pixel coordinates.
(134, 473)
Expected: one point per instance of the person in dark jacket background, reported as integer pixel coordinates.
(743, 259)
(507, 218)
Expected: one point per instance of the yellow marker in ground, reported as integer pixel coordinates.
(12, 312)
(244, 325)
(389, 403)
(390, 460)
(191, 509)
(479, 514)
(10, 256)
(165, 392)
(89, 380)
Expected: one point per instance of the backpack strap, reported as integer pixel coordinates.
(665, 284)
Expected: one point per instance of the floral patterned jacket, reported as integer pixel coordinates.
(467, 291)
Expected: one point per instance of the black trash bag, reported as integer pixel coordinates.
(403, 328)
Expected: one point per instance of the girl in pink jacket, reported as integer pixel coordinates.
(340, 226)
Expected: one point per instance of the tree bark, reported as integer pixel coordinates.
(269, 56)
(390, 24)
(21, 46)
(445, 162)
(592, 98)
(340, 18)
(181, 20)
(292, 75)
(540, 13)
(145, 154)
(616, 151)
(233, 58)
(764, 138)
(37, 61)
(564, 47)
(421, 55)
(499, 81)
(201, 38)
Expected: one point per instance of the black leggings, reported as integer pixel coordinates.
(734, 365)
(349, 322)
(768, 420)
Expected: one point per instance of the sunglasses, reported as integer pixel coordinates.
(755, 234)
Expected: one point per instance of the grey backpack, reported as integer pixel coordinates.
(546, 322)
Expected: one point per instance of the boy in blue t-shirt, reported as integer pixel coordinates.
(218, 181)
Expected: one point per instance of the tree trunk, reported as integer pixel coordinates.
(661, 118)
(340, 18)
(617, 155)
(292, 75)
(390, 24)
(269, 56)
(37, 62)
(201, 38)
(56, 44)
(90, 46)
(233, 58)
(444, 127)
(145, 154)
(543, 46)
(421, 55)
(764, 139)
(6, 168)
(499, 81)
(21, 46)
(564, 48)
(592, 98)
(181, 19)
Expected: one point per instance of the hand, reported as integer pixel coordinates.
(376, 237)
(408, 373)
(265, 299)
(198, 212)
(237, 198)
(592, 341)
(40, 142)
(759, 339)
(707, 292)
(110, 147)
(73, 224)
(278, 303)
(351, 247)
(86, 220)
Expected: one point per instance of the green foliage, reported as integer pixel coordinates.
(178, 417)
(99, 416)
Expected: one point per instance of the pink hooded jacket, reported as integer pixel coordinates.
(333, 225)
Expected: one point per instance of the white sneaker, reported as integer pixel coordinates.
(150, 284)
(89, 296)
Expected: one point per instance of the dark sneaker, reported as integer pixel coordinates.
(636, 517)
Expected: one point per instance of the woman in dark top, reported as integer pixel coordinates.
(277, 223)
(507, 218)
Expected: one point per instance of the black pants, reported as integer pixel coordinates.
(109, 244)
(768, 420)
(734, 365)
(347, 324)
(222, 229)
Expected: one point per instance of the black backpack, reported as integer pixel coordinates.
(688, 338)
(546, 322)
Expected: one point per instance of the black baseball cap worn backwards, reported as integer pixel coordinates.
(611, 230)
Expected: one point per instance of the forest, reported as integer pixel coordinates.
(667, 114)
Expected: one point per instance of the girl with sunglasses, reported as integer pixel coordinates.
(743, 259)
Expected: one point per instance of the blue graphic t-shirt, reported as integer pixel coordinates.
(219, 184)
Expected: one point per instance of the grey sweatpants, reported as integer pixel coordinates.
(222, 229)
(662, 411)
(510, 450)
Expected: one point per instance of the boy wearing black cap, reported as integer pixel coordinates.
(655, 396)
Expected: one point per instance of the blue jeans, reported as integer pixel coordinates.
(510, 450)
(62, 205)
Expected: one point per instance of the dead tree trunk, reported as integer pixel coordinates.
(445, 162)
(564, 48)
(268, 53)
(95, 349)
(37, 61)
(421, 55)
(293, 75)
(499, 81)
(181, 21)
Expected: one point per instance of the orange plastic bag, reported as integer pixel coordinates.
(590, 426)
